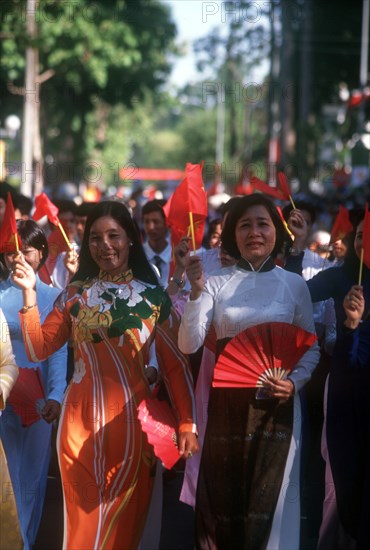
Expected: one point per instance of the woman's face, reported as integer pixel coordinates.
(32, 255)
(358, 238)
(109, 245)
(255, 235)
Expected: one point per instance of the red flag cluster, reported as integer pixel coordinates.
(188, 202)
(342, 225)
(9, 238)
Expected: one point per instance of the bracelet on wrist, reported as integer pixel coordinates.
(26, 308)
(178, 282)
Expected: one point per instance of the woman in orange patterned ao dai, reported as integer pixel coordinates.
(113, 310)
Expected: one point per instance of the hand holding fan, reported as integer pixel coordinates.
(261, 351)
(27, 394)
(159, 423)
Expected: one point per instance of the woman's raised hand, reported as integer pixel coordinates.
(71, 261)
(298, 226)
(181, 252)
(354, 306)
(23, 274)
(194, 272)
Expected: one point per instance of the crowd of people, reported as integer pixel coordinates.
(121, 314)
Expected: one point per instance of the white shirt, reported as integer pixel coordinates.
(312, 264)
(234, 299)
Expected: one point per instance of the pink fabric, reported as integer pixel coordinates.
(189, 487)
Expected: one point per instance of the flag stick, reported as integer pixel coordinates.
(192, 232)
(64, 235)
(287, 228)
(361, 265)
(292, 201)
(16, 242)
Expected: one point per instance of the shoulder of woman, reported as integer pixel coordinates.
(218, 279)
(68, 294)
(293, 278)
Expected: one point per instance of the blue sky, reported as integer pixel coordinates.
(194, 19)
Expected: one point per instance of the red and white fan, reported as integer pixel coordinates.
(268, 349)
(159, 423)
(27, 395)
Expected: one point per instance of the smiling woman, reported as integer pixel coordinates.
(109, 245)
(114, 311)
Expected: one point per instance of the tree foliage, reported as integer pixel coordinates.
(93, 54)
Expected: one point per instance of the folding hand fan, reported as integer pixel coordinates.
(26, 394)
(159, 423)
(268, 349)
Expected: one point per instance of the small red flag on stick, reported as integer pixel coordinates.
(9, 238)
(44, 207)
(186, 210)
(265, 188)
(284, 188)
(342, 225)
(281, 192)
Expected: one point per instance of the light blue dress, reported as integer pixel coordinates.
(28, 448)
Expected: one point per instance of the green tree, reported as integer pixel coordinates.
(92, 54)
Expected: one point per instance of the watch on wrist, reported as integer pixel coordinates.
(179, 282)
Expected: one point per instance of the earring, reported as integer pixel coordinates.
(131, 243)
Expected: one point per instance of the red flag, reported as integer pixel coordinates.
(265, 188)
(189, 197)
(366, 237)
(9, 238)
(342, 225)
(56, 244)
(44, 207)
(281, 192)
(284, 186)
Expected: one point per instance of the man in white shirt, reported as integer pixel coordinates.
(157, 246)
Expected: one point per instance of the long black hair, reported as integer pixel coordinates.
(137, 259)
(236, 212)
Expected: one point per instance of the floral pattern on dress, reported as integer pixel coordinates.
(88, 320)
(116, 306)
